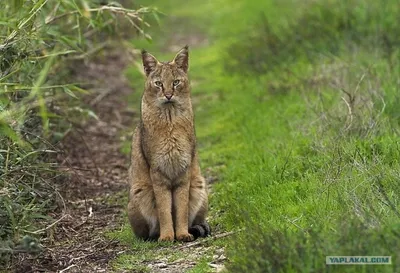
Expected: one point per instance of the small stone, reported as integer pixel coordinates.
(161, 265)
(178, 261)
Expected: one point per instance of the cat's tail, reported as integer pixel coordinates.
(201, 230)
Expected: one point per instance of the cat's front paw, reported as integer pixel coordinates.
(184, 237)
(168, 237)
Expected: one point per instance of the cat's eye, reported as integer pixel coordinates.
(176, 82)
(158, 83)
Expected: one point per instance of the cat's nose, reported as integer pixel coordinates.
(168, 96)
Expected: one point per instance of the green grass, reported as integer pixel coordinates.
(201, 267)
(297, 111)
(142, 254)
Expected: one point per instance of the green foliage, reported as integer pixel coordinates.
(272, 44)
(286, 251)
(39, 40)
(297, 108)
(201, 267)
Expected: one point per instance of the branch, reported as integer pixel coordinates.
(49, 226)
(218, 236)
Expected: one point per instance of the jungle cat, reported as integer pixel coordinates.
(168, 196)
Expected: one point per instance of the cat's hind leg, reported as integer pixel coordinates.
(142, 214)
(198, 208)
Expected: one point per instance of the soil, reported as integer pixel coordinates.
(95, 175)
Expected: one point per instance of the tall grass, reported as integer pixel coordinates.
(318, 167)
(38, 41)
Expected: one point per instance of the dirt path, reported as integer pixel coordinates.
(96, 174)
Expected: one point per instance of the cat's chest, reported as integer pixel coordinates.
(173, 155)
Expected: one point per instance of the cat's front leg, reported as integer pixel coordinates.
(163, 196)
(180, 196)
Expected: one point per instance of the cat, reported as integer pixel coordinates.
(168, 196)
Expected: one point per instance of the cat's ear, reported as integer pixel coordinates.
(182, 59)
(149, 62)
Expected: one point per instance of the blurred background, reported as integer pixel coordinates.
(297, 118)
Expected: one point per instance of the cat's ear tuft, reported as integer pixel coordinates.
(182, 59)
(149, 62)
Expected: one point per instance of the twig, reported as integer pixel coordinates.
(127, 12)
(130, 13)
(350, 113)
(383, 107)
(51, 225)
(93, 31)
(101, 96)
(359, 82)
(388, 202)
(89, 151)
(218, 236)
(69, 267)
(94, 252)
(6, 166)
(293, 222)
(286, 163)
(91, 51)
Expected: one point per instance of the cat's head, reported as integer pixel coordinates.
(167, 82)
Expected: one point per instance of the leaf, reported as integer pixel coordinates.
(78, 89)
(7, 131)
(70, 43)
(92, 114)
(86, 9)
(148, 37)
(88, 112)
(156, 17)
(17, 4)
(69, 92)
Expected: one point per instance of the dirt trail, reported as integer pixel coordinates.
(96, 174)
